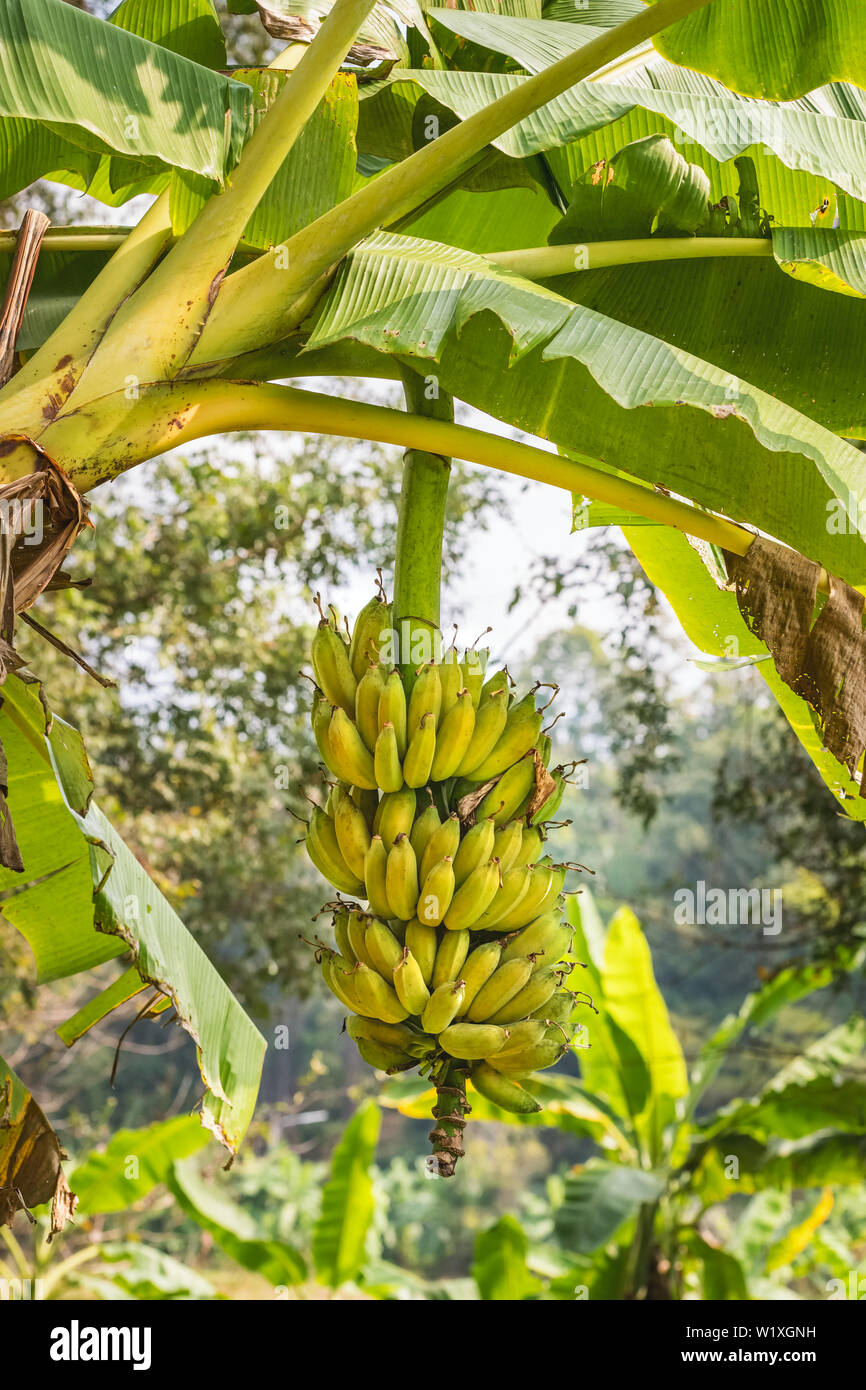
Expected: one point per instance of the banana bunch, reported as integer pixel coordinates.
(437, 820)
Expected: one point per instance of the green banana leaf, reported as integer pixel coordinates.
(111, 92)
(776, 50)
(140, 1271)
(190, 28)
(233, 1229)
(577, 377)
(500, 1269)
(340, 1235)
(599, 1198)
(84, 899)
(722, 1275)
(134, 1162)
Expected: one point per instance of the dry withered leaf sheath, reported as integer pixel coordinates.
(30, 1157)
(822, 658)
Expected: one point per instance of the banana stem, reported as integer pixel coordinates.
(449, 1112)
(540, 262)
(263, 301)
(421, 526)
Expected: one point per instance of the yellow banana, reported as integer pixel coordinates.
(452, 952)
(497, 680)
(324, 850)
(477, 969)
(401, 879)
(378, 997)
(426, 696)
(514, 887)
(472, 669)
(383, 1058)
(554, 888)
(505, 798)
(330, 657)
(445, 840)
(490, 719)
(353, 837)
(425, 826)
(422, 942)
(502, 1091)
(530, 905)
(436, 893)
(392, 710)
(548, 938)
(375, 866)
(383, 948)
(350, 758)
(320, 718)
(394, 815)
(419, 754)
(388, 1034)
(520, 1036)
(443, 1006)
(537, 990)
(386, 760)
(522, 728)
(451, 678)
(339, 976)
(531, 846)
(505, 982)
(476, 848)
(341, 920)
(453, 737)
(472, 1040)
(409, 983)
(528, 1059)
(367, 801)
(367, 696)
(473, 897)
(372, 622)
(507, 844)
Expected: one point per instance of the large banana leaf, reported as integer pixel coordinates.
(599, 1197)
(500, 1267)
(233, 1229)
(134, 1162)
(83, 899)
(777, 49)
(339, 1239)
(188, 27)
(577, 377)
(110, 91)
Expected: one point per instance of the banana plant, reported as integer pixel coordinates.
(536, 214)
(643, 1217)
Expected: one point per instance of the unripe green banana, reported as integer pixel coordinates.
(426, 697)
(515, 885)
(367, 801)
(394, 815)
(476, 848)
(520, 1036)
(386, 760)
(538, 989)
(388, 1034)
(497, 680)
(324, 850)
(419, 754)
(401, 879)
(477, 969)
(443, 1007)
(530, 905)
(490, 719)
(473, 897)
(357, 931)
(339, 976)
(531, 846)
(320, 718)
(504, 800)
(445, 840)
(453, 737)
(528, 1059)
(350, 758)
(450, 955)
(505, 982)
(558, 1008)
(522, 727)
(409, 983)
(341, 921)
(367, 696)
(375, 866)
(472, 669)
(502, 1091)
(383, 949)
(552, 897)
(353, 837)
(548, 938)
(383, 1058)
(436, 893)
(451, 678)
(334, 675)
(426, 825)
(378, 998)
(392, 709)
(507, 844)
(373, 619)
(472, 1040)
(422, 941)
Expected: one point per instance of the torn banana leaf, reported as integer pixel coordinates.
(30, 1157)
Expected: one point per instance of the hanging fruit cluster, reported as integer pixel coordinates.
(438, 820)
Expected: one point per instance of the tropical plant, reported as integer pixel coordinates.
(499, 209)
